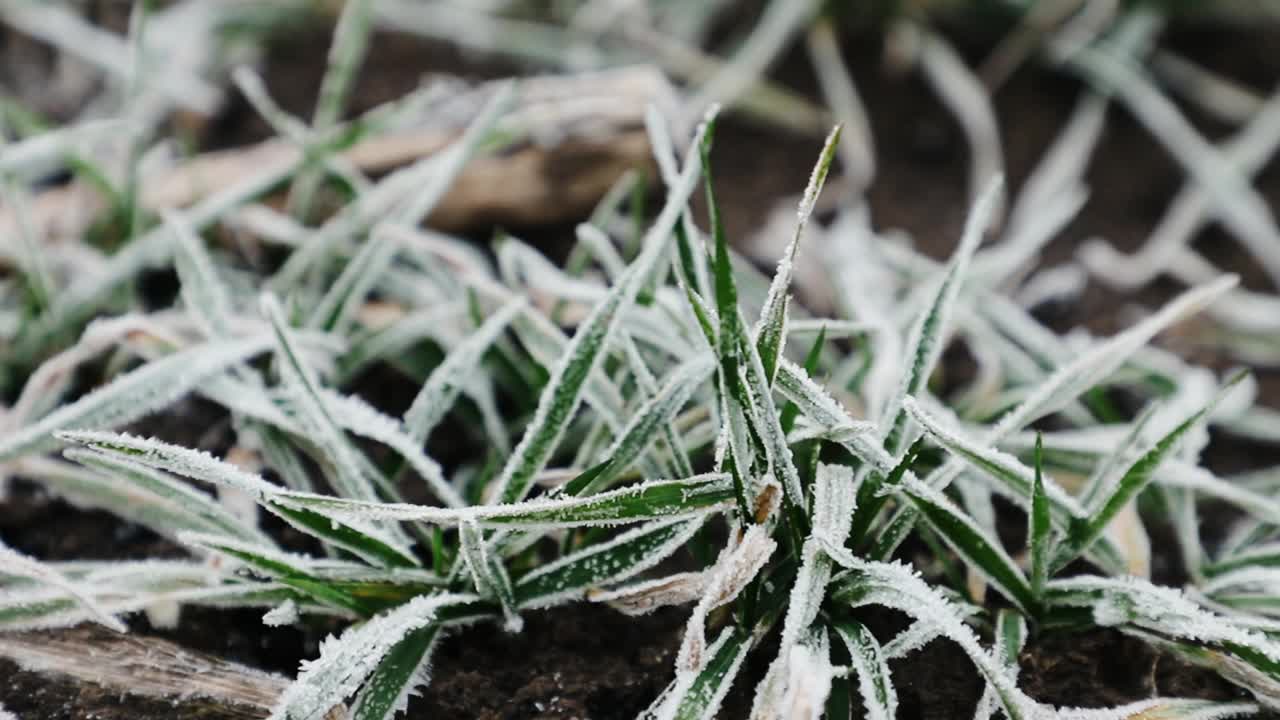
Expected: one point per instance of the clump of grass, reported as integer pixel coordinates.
(657, 402)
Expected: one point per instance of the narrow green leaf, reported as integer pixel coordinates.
(305, 389)
(651, 500)
(971, 543)
(771, 329)
(192, 510)
(134, 394)
(898, 587)
(364, 542)
(1039, 528)
(563, 393)
(282, 567)
(337, 308)
(879, 698)
(570, 577)
(405, 666)
(924, 344)
(347, 662)
(1135, 480)
(448, 379)
(699, 696)
(647, 422)
(487, 572)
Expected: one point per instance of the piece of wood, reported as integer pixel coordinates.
(580, 133)
(95, 666)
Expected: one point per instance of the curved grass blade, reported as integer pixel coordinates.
(1135, 480)
(347, 662)
(924, 345)
(648, 420)
(879, 698)
(698, 696)
(898, 587)
(625, 556)
(304, 386)
(488, 574)
(653, 500)
(448, 379)
(360, 418)
(1039, 528)
(135, 394)
(284, 568)
(971, 543)
(364, 542)
(14, 563)
(337, 309)
(585, 351)
(202, 513)
(405, 666)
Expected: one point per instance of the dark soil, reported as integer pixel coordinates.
(591, 662)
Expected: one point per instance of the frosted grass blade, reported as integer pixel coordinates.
(358, 417)
(449, 378)
(14, 563)
(925, 342)
(285, 568)
(560, 399)
(648, 420)
(879, 697)
(971, 543)
(698, 696)
(203, 512)
(347, 662)
(304, 387)
(135, 394)
(572, 576)
(405, 666)
(652, 500)
(898, 587)
(1140, 474)
(369, 544)
(1039, 529)
(337, 309)
(203, 293)
(487, 572)
(771, 330)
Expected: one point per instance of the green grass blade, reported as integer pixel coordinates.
(699, 696)
(1140, 474)
(487, 572)
(347, 662)
(572, 576)
(563, 393)
(898, 587)
(134, 394)
(406, 666)
(356, 416)
(337, 308)
(649, 420)
(284, 568)
(652, 500)
(971, 543)
(364, 542)
(202, 512)
(879, 697)
(448, 379)
(203, 293)
(305, 392)
(924, 344)
(1039, 528)
(771, 329)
